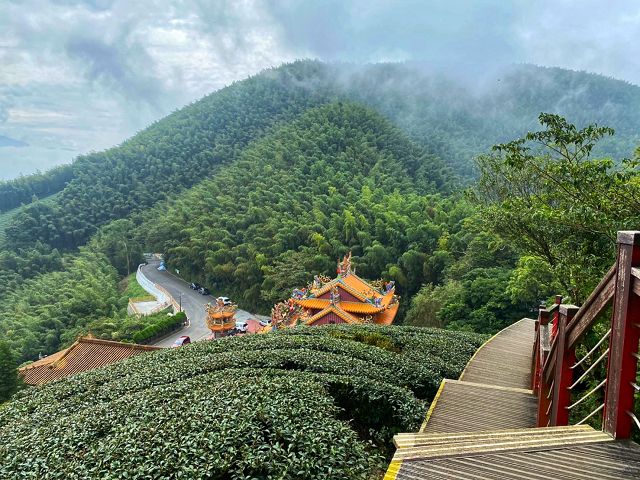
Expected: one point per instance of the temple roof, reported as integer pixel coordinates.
(353, 307)
(85, 354)
(347, 317)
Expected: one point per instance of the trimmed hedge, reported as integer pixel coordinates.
(318, 403)
(161, 327)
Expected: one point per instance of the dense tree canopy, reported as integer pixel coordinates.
(551, 199)
(341, 178)
(258, 186)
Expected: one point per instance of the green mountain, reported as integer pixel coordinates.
(255, 187)
(340, 178)
(448, 117)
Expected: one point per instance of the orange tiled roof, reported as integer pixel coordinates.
(386, 300)
(362, 286)
(85, 354)
(326, 287)
(316, 303)
(338, 311)
(357, 307)
(386, 316)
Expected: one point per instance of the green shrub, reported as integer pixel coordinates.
(161, 327)
(301, 403)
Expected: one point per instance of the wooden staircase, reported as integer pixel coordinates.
(578, 452)
(483, 426)
(490, 424)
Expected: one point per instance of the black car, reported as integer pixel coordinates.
(203, 291)
(195, 286)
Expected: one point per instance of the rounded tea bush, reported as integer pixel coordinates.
(321, 403)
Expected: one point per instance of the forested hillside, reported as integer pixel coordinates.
(341, 178)
(258, 186)
(451, 118)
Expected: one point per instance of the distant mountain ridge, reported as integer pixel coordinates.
(446, 117)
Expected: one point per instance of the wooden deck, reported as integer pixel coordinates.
(482, 426)
(473, 407)
(489, 366)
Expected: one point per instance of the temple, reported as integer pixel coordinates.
(345, 299)
(220, 317)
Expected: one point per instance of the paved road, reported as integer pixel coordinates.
(192, 303)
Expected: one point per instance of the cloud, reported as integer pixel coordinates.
(11, 142)
(84, 75)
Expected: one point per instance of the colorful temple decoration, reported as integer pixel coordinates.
(345, 299)
(220, 317)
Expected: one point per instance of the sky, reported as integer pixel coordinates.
(82, 76)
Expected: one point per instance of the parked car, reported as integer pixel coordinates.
(242, 326)
(195, 286)
(264, 322)
(224, 300)
(203, 291)
(181, 341)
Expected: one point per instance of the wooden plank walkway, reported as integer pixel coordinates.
(505, 359)
(482, 427)
(473, 407)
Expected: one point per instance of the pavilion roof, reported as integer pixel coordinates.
(85, 354)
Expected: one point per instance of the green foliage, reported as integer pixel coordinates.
(24, 190)
(427, 303)
(532, 281)
(161, 327)
(116, 240)
(48, 311)
(341, 178)
(8, 372)
(132, 289)
(292, 404)
(548, 198)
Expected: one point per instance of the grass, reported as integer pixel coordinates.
(132, 289)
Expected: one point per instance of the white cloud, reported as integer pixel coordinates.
(78, 76)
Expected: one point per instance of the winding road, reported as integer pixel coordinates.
(192, 304)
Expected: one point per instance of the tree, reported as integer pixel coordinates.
(8, 372)
(544, 195)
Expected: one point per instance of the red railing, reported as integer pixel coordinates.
(558, 376)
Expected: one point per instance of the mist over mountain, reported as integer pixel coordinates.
(453, 117)
(414, 130)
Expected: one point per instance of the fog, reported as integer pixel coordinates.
(83, 76)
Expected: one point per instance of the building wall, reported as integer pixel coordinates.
(328, 319)
(344, 296)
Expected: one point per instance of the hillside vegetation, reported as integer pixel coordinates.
(306, 403)
(258, 186)
(450, 119)
(340, 178)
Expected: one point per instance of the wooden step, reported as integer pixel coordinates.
(528, 439)
(472, 407)
(608, 460)
(403, 440)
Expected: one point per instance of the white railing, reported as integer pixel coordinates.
(163, 297)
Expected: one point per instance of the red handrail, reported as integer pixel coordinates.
(554, 349)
